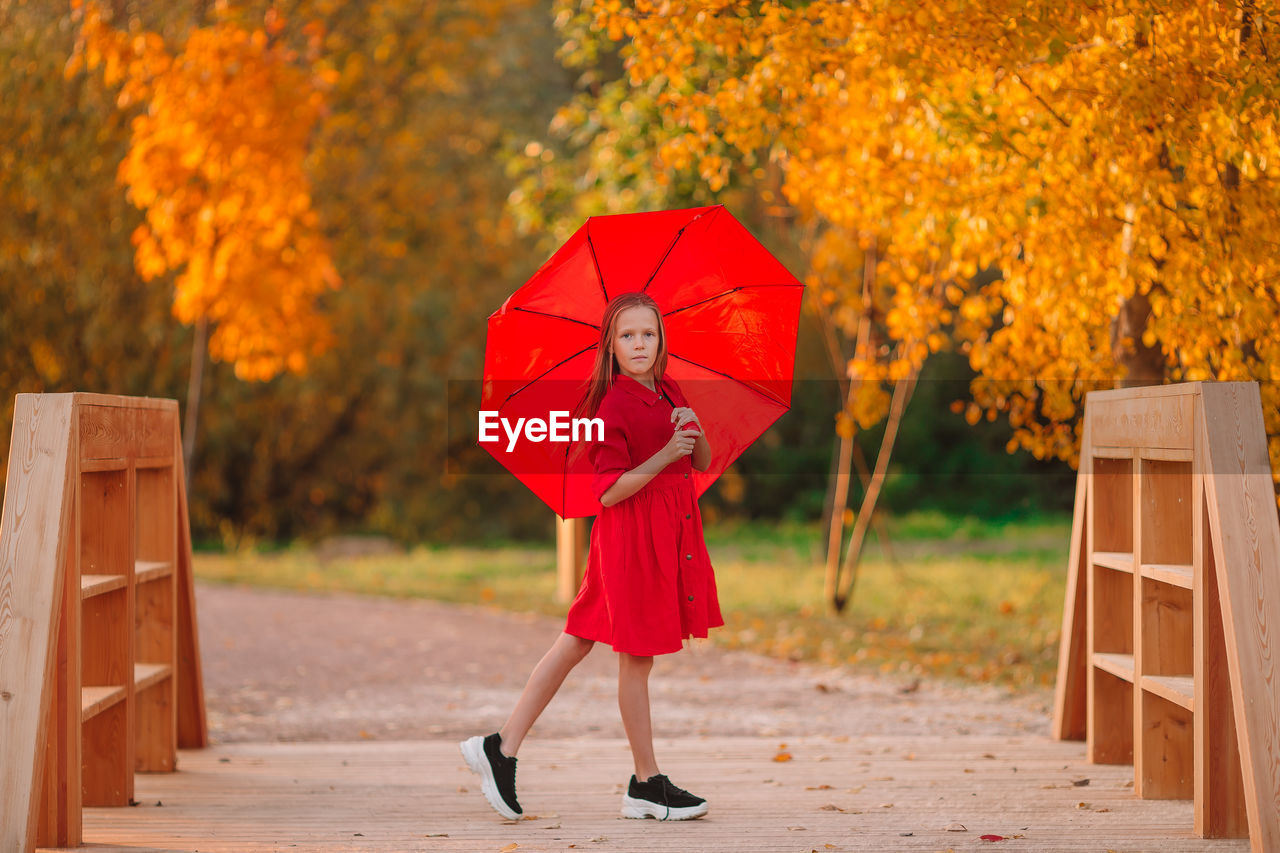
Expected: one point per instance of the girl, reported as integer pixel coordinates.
(649, 582)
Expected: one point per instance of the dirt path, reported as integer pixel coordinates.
(295, 666)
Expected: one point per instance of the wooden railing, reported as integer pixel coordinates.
(99, 662)
(1169, 641)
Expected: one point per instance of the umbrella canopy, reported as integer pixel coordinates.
(730, 310)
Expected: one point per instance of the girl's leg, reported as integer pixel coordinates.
(633, 702)
(565, 653)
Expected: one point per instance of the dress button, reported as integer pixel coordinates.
(688, 556)
(691, 598)
(686, 476)
(688, 516)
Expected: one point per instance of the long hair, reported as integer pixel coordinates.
(605, 369)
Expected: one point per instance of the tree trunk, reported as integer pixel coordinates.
(902, 392)
(195, 383)
(1143, 365)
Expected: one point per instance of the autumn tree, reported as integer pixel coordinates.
(1114, 163)
(217, 162)
(407, 184)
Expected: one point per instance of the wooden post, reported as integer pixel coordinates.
(32, 551)
(570, 556)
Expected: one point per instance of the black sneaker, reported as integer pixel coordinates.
(497, 773)
(658, 798)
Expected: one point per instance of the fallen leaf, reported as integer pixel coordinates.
(436, 835)
(1082, 805)
(1079, 783)
(796, 828)
(462, 789)
(822, 688)
(509, 847)
(992, 837)
(906, 834)
(600, 838)
(817, 787)
(967, 770)
(1100, 811)
(987, 755)
(529, 817)
(830, 807)
(910, 688)
(955, 827)
(782, 756)
(886, 805)
(552, 826)
(829, 846)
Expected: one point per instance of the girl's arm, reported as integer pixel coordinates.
(701, 456)
(681, 444)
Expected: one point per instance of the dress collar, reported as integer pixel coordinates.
(640, 392)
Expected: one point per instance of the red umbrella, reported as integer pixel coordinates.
(730, 310)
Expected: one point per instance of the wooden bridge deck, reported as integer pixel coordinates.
(833, 794)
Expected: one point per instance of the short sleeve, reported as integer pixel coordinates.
(611, 457)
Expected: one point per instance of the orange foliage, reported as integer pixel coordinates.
(1104, 158)
(217, 162)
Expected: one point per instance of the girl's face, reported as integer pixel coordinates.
(635, 341)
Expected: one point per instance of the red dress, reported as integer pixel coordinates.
(649, 582)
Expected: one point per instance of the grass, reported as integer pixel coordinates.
(962, 599)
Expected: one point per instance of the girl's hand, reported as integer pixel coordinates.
(684, 415)
(680, 445)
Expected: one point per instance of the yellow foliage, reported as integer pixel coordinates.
(217, 162)
(1092, 154)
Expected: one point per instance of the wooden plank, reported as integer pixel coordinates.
(103, 431)
(1246, 537)
(1133, 420)
(115, 463)
(106, 746)
(1167, 767)
(32, 552)
(1121, 666)
(91, 585)
(1070, 720)
(881, 793)
(150, 674)
(60, 815)
(1121, 561)
(1167, 454)
(95, 700)
(192, 726)
(1178, 689)
(1219, 784)
(155, 431)
(1180, 576)
(1166, 518)
(145, 572)
(1111, 488)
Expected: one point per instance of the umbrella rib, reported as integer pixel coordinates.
(591, 247)
(728, 292)
(556, 317)
(545, 372)
(726, 376)
(674, 240)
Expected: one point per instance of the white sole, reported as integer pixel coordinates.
(473, 754)
(634, 808)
